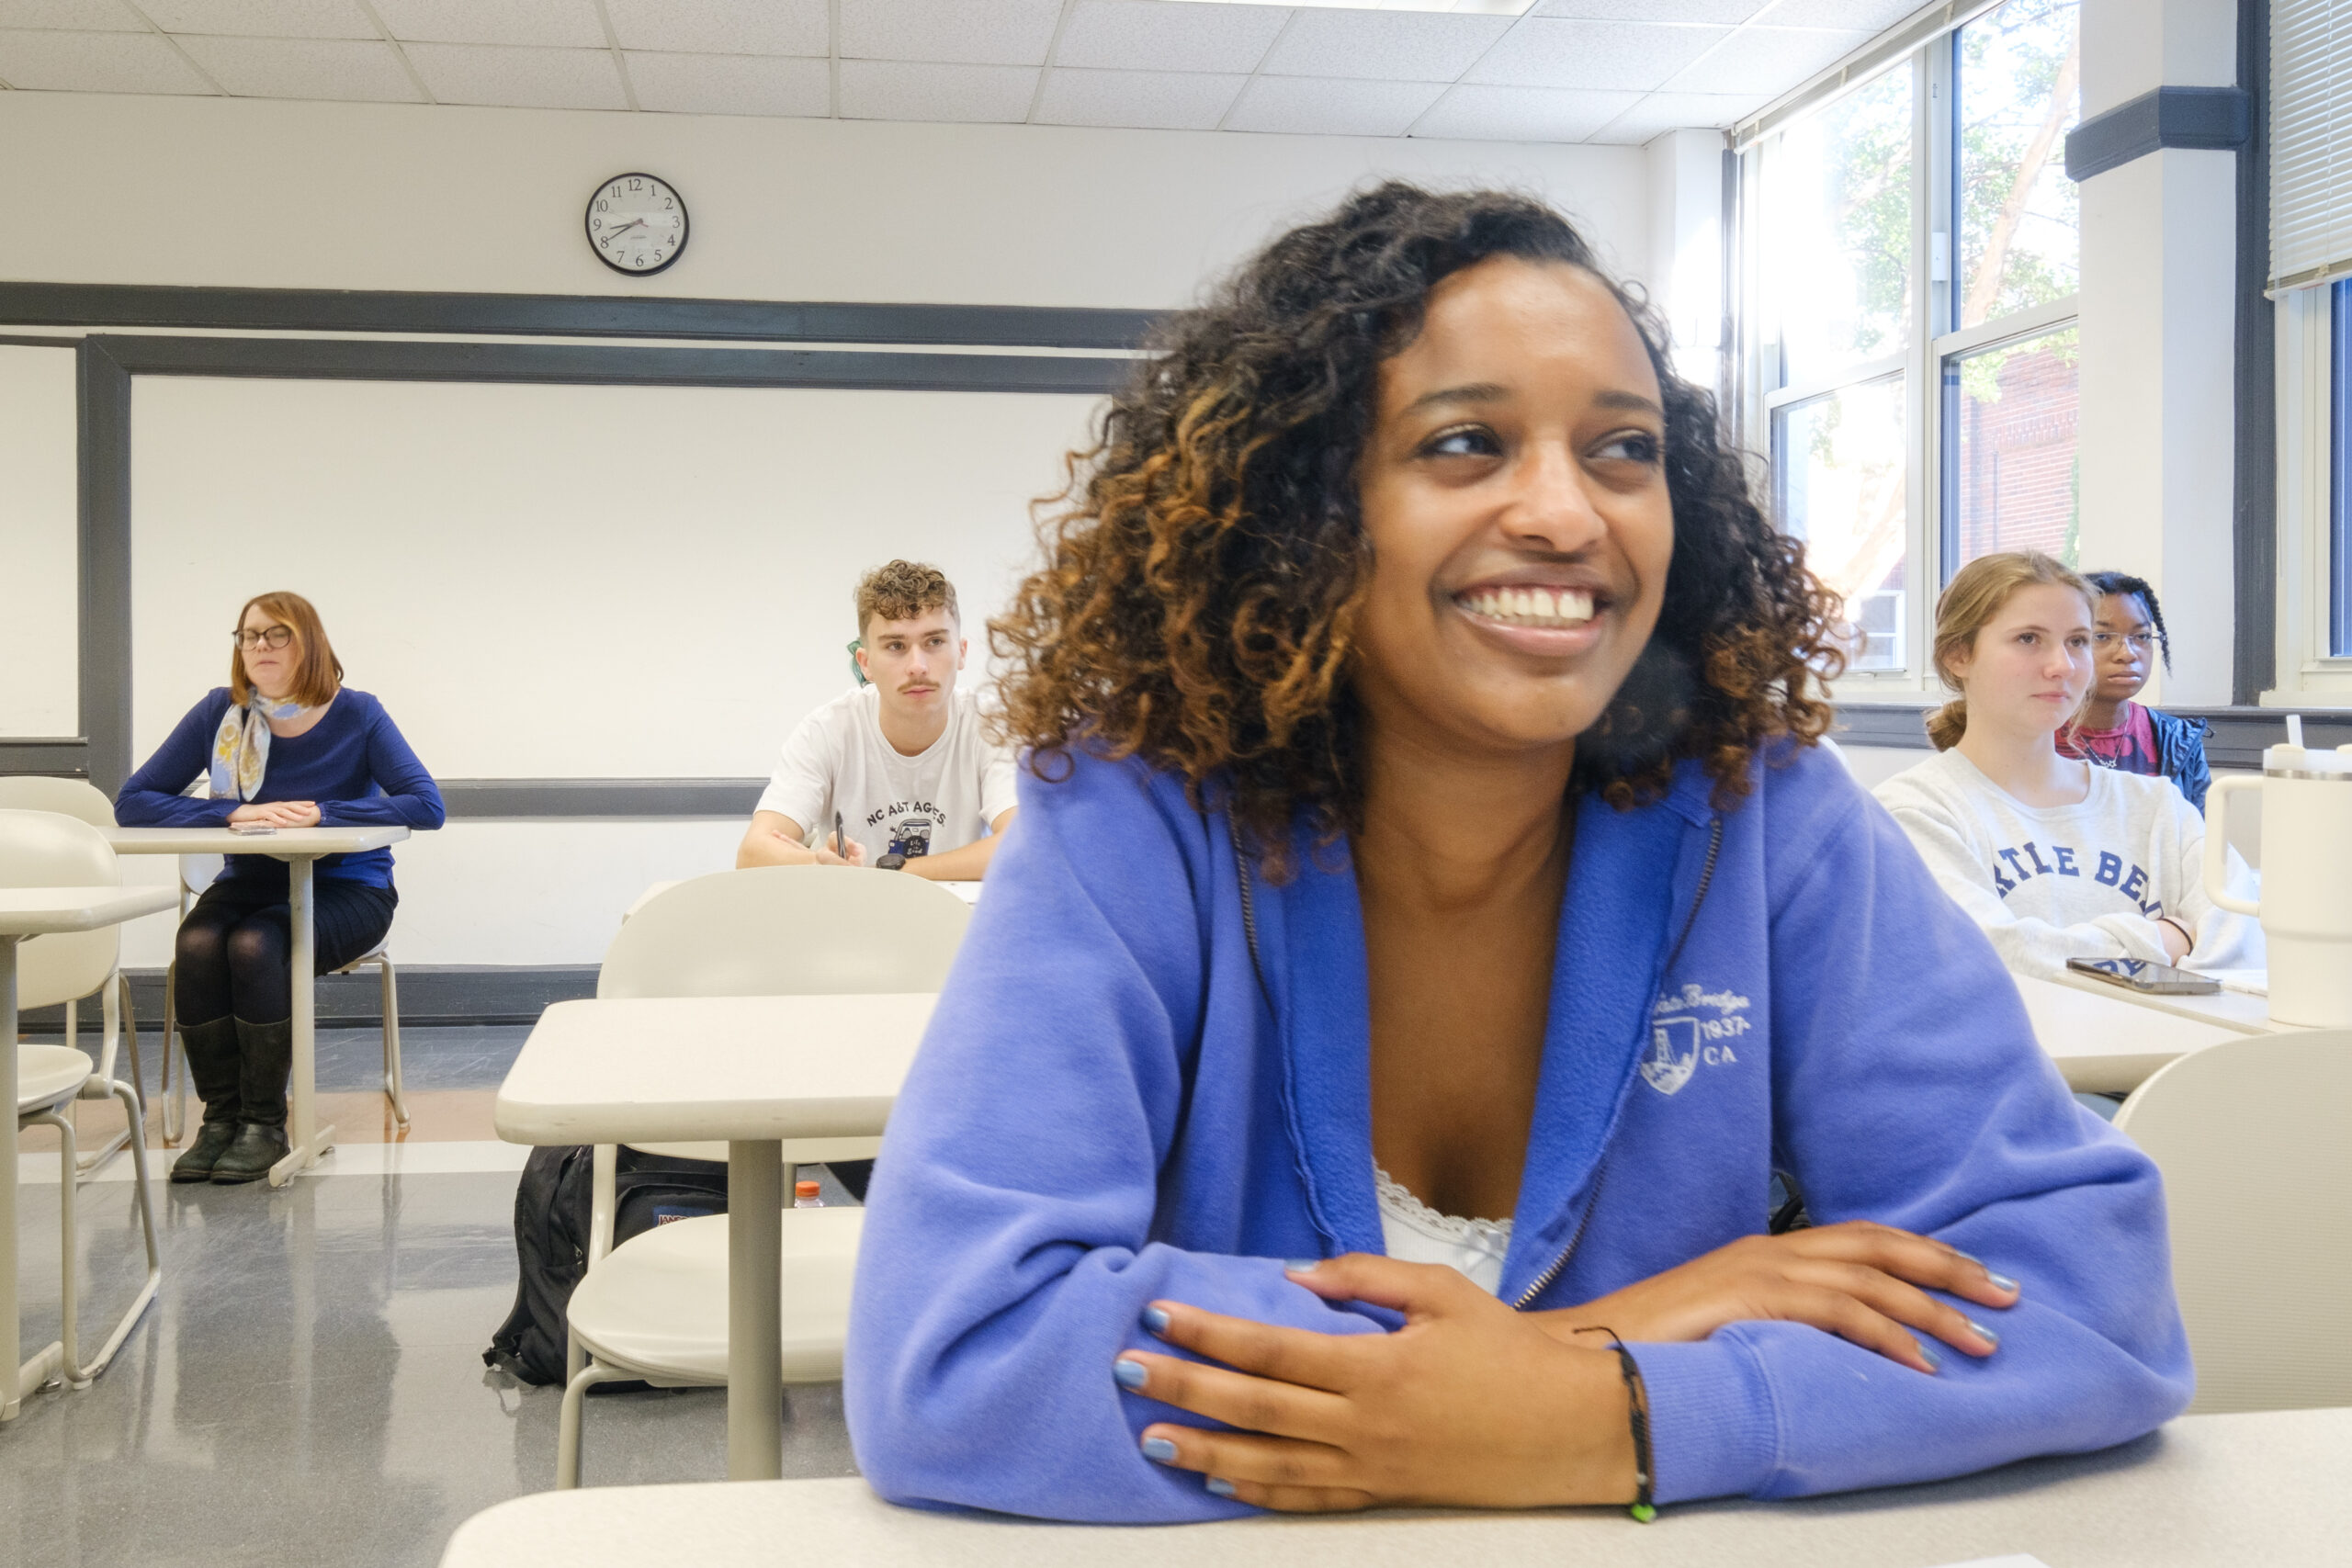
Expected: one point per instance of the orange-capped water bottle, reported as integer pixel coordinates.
(804, 1195)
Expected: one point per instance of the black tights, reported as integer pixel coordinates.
(236, 945)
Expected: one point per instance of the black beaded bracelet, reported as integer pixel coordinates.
(1637, 1408)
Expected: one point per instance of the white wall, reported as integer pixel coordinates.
(253, 193)
(413, 513)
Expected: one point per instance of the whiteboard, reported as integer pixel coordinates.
(37, 572)
(570, 581)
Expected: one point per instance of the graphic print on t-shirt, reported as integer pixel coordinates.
(2030, 860)
(910, 825)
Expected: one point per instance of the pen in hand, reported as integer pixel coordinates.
(841, 839)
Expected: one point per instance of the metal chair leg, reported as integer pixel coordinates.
(567, 1440)
(391, 1004)
(174, 1095)
(122, 1024)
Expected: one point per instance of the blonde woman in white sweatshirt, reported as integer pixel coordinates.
(2054, 858)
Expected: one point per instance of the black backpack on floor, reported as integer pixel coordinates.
(552, 1205)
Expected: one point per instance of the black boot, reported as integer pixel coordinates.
(265, 1053)
(212, 1065)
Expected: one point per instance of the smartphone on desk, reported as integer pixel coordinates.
(252, 829)
(2148, 980)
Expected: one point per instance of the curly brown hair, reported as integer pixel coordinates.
(1204, 572)
(902, 590)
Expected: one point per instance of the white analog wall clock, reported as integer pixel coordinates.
(637, 224)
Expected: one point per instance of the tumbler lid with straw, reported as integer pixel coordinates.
(2295, 761)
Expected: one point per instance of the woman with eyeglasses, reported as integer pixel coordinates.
(2115, 732)
(284, 744)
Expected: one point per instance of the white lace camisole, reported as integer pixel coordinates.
(1416, 1233)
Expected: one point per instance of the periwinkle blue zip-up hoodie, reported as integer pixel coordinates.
(1107, 1110)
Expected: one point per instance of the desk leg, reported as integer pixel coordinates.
(20, 1380)
(308, 1139)
(754, 1310)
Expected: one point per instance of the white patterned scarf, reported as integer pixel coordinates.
(240, 747)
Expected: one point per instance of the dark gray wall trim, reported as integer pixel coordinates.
(353, 359)
(60, 757)
(565, 315)
(430, 994)
(2239, 732)
(1881, 724)
(2255, 471)
(103, 389)
(601, 797)
(15, 340)
(2209, 119)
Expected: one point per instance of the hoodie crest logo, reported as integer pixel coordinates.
(1691, 1027)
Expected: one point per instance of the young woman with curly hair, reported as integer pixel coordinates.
(1422, 822)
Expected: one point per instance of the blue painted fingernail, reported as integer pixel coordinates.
(1131, 1373)
(1927, 1354)
(1160, 1448)
(1220, 1486)
(1984, 1333)
(2000, 1281)
(1156, 1319)
(1301, 1265)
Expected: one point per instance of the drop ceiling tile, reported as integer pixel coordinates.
(1394, 46)
(964, 32)
(1631, 57)
(96, 62)
(83, 16)
(262, 18)
(730, 84)
(1720, 12)
(1764, 59)
(519, 78)
(547, 23)
(890, 89)
(1521, 114)
(333, 70)
(722, 27)
(1851, 15)
(1152, 35)
(1314, 106)
(1147, 100)
(1658, 113)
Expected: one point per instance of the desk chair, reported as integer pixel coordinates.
(197, 874)
(43, 849)
(655, 1308)
(119, 1021)
(2254, 1137)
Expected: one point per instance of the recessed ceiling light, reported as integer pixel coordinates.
(1458, 7)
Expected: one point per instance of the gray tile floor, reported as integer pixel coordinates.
(309, 1388)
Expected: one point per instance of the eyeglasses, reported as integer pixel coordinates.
(275, 637)
(2140, 642)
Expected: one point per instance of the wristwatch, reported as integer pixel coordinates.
(891, 862)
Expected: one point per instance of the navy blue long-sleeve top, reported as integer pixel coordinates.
(354, 763)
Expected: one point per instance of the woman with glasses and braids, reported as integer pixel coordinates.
(284, 744)
(2115, 732)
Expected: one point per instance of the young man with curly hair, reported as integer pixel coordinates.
(903, 759)
(1430, 930)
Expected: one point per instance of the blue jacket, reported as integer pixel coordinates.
(1106, 1111)
(354, 762)
(2180, 753)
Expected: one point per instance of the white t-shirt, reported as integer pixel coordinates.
(2090, 880)
(941, 800)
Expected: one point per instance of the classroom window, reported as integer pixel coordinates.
(1837, 459)
(1910, 356)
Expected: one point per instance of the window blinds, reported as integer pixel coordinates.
(2310, 143)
